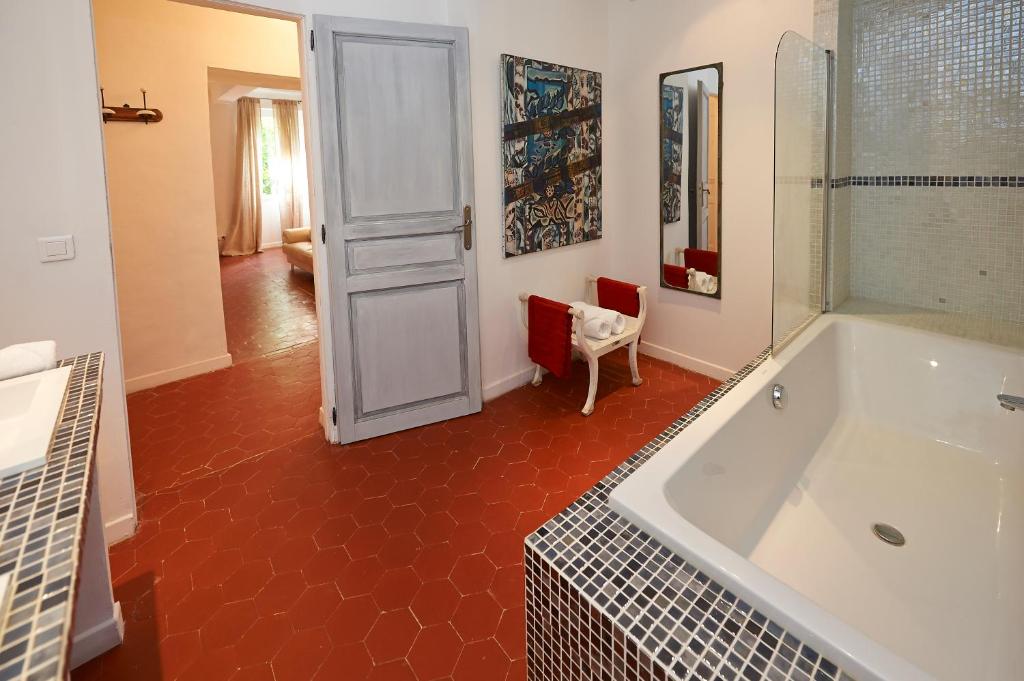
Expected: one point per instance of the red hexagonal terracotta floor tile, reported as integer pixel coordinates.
(301, 655)
(350, 661)
(314, 607)
(481, 660)
(352, 620)
(392, 635)
(435, 652)
(359, 577)
(435, 562)
(435, 602)
(476, 617)
(272, 555)
(511, 633)
(472, 574)
(194, 610)
(263, 639)
(228, 623)
(396, 588)
(280, 593)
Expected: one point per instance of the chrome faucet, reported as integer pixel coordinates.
(1011, 402)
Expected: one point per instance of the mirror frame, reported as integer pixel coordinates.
(717, 66)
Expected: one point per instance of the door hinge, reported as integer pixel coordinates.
(323, 234)
(312, 40)
(334, 415)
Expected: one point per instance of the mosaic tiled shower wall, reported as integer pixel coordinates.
(930, 99)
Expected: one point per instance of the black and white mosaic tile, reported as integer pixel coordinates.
(965, 181)
(42, 526)
(606, 601)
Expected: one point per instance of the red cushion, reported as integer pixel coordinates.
(550, 335)
(676, 276)
(619, 296)
(702, 261)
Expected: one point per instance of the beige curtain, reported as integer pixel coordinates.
(245, 235)
(291, 159)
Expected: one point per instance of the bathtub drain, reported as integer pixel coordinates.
(889, 534)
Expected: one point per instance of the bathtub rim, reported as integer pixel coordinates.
(854, 651)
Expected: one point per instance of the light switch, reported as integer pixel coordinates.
(52, 248)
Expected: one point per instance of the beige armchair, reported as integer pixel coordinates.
(298, 248)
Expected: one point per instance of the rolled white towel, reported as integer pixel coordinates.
(27, 358)
(596, 328)
(701, 281)
(615, 319)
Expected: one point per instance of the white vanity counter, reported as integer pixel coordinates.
(60, 610)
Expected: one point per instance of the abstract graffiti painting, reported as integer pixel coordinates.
(672, 100)
(551, 155)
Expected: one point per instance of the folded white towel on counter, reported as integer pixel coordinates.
(616, 320)
(27, 358)
(596, 328)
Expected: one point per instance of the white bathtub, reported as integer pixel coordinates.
(880, 424)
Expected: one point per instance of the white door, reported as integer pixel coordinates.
(398, 177)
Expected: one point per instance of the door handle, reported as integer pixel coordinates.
(467, 227)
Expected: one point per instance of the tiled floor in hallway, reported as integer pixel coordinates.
(268, 306)
(265, 553)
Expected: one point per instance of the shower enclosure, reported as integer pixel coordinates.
(802, 175)
(863, 485)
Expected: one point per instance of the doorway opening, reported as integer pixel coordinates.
(210, 213)
(268, 288)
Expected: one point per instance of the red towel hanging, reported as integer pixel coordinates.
(550, 335)
(619, 296)
(700, 260)
(676, 276)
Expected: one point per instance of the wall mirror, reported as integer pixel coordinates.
(690, 205)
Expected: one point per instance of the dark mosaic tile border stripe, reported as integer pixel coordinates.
(999, 181)
(605, 600)
(42, 525)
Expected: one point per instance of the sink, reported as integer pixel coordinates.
(29, 408)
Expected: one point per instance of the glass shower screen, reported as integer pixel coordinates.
(801, 179)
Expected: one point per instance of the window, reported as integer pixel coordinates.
(268, 148)
(270, 170)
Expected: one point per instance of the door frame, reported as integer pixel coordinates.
(701, 175)
(317, 209)
(332, 201)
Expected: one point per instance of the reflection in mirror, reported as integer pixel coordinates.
(691, 162)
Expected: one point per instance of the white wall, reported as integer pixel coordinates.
(571, 32)
(52, 182)
(656, 36)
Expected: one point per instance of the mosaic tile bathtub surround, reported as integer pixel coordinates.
(42, 526)
(930, 114)
(607, 601)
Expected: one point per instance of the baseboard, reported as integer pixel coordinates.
(97, 640)
(177, 373)
(272, 244)
(504, 385)
(679, 359)
(119, 529)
